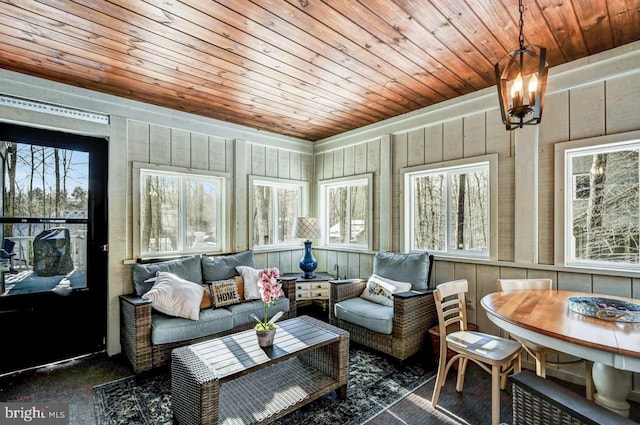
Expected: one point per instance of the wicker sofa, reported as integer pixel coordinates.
(147, 336)
(400, 330)
(538, 401)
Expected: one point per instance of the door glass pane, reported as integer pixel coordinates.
(45, 214)
(159, 218)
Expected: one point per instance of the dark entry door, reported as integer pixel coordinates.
(53, 259)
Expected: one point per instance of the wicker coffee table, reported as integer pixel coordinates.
(231, 380)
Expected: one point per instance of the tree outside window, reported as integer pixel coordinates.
(448, 210)
(275, 208)
(346, 214)
(179, 212)
(602, 217)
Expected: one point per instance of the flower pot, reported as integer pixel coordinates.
(265, 338)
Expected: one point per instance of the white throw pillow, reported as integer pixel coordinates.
(175, 296)
(379, 289)
(250, 277)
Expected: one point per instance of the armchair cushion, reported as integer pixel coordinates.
(224, 266)
(414, 268)
(370, 315)
(187, 268)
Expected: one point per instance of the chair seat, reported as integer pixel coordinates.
(375, 317)
(487, 346)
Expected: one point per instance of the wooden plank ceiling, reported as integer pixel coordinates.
(303, 68)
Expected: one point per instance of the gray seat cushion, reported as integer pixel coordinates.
(370, 315)
(414, 268)
(241, 312)
(166, 329)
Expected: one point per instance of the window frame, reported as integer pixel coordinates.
(563, 197)
(303, 209)
(140, 169)
(323, 215)
(408, 173)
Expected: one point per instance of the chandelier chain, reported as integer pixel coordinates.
(521, 38)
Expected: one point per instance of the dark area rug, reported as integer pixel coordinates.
(375, 383)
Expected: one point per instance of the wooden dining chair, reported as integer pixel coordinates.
(538, 352)
(495, 355)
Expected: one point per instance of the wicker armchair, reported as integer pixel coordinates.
(135, 330)
(538, 401)
(414, 313)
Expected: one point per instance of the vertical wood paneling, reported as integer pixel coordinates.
(444, 272)
(498, 139)
(544, 274)
(321, 256)
(138, 141)
(338, 163)
(433, 144)
(400, 161)
(306, 168)
(258, 160)
(199, 151)
(318, 167)
(586, 113)
(385, 191)
(452, 140)
(353, 269)
(271, 162)
(217, 154)
(284, 165)
(568, 281)
(468, 271)
(331, 260)
(295, 166)
(159, 145)
(623, 104)
(415, 147)
(328, 165)
(349, 161)
(486, 277)
(180, 148)
(612, 285)
(229, 157)
(360, 158)
(554, 128)
(474, 135)
(506, 208)
(366, 266)
(239, 220)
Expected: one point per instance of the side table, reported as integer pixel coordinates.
(313, 291)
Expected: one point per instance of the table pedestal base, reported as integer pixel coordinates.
(612, 388)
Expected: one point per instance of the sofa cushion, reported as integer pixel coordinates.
(379, 289)
(166, 329)
(175, 296)
(225, 292)
(375, 317)
(187, 268)
(241, 312)
(250, 278)
(413, 268)
(221, 267)
(207, 299)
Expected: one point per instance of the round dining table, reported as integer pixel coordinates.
(544, 317)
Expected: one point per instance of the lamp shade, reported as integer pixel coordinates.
(306, 228)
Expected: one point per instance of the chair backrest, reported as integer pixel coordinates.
(451, 307)
(522, 284)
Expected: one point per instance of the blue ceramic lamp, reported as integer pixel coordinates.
(307, 228)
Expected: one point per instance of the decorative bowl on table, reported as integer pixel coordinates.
(605, 308)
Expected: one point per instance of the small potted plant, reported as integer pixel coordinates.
(269, 286)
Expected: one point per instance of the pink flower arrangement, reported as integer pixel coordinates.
(269, 287)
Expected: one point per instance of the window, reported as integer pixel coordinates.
(346, 212)
(180, 212)
(602, 220)
(275, 204)
(448, 208)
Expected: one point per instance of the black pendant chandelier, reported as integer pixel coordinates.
(521, 77)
